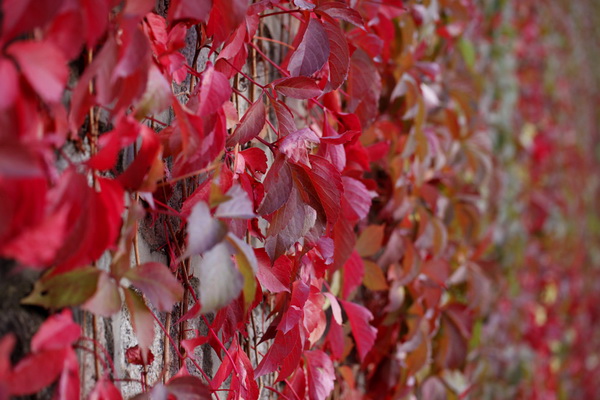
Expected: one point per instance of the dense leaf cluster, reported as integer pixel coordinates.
(319, 174)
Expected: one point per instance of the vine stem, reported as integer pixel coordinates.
(275, 41)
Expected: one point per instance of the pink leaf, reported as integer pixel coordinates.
(56, 332)
(105, 390)
(189, 10)
(214, 90)
(157, 282)
(251, 124)
(303, 4)
(312, 52)
(320, 374)
(298, 87)
(364, 334)
(107, 300)
(294, 145)
(68, 385)
(357, 199)
(141, 320)
(44, 66)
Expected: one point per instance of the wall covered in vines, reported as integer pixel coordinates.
(310, 199)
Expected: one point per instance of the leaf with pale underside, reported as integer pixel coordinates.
(298, 87)
(239, 204)
(203, 230)
(220, 280)
(157, 282)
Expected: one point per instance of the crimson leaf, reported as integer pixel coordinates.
(364, 334)
(312, 52)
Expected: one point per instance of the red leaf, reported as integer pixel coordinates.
(225, 17)
(357, 199)
(276, 278)
(105, 390)
(335, 338)
(278, 185)
(9, 83)
(298, 87)
(289, 224)
(339, 58)
(44, 66)
(214, 90)
(364, 334)
(286, 352)
(251, 124)
(255, 159)
(344, 240)
(124, 134)
(190, 344)
(20, 16)
(147, 167)
(294, 312)
(157, 282)
(56, 332)
(194, 10)
(133, 355)
(364, 87)
(36, 371)
(340, 11)
(285, 119)
(328, 186)
(354, 271)
(142, 322)
(68, 385)
(320, 374)
(312, 52)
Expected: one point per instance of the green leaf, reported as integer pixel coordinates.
(65, 290)
(467, 50)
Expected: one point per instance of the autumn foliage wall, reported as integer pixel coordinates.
(320, 176)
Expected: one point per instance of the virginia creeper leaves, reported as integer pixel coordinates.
(364, 334)
(157, 282)
(250, 125)
(312, 52)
